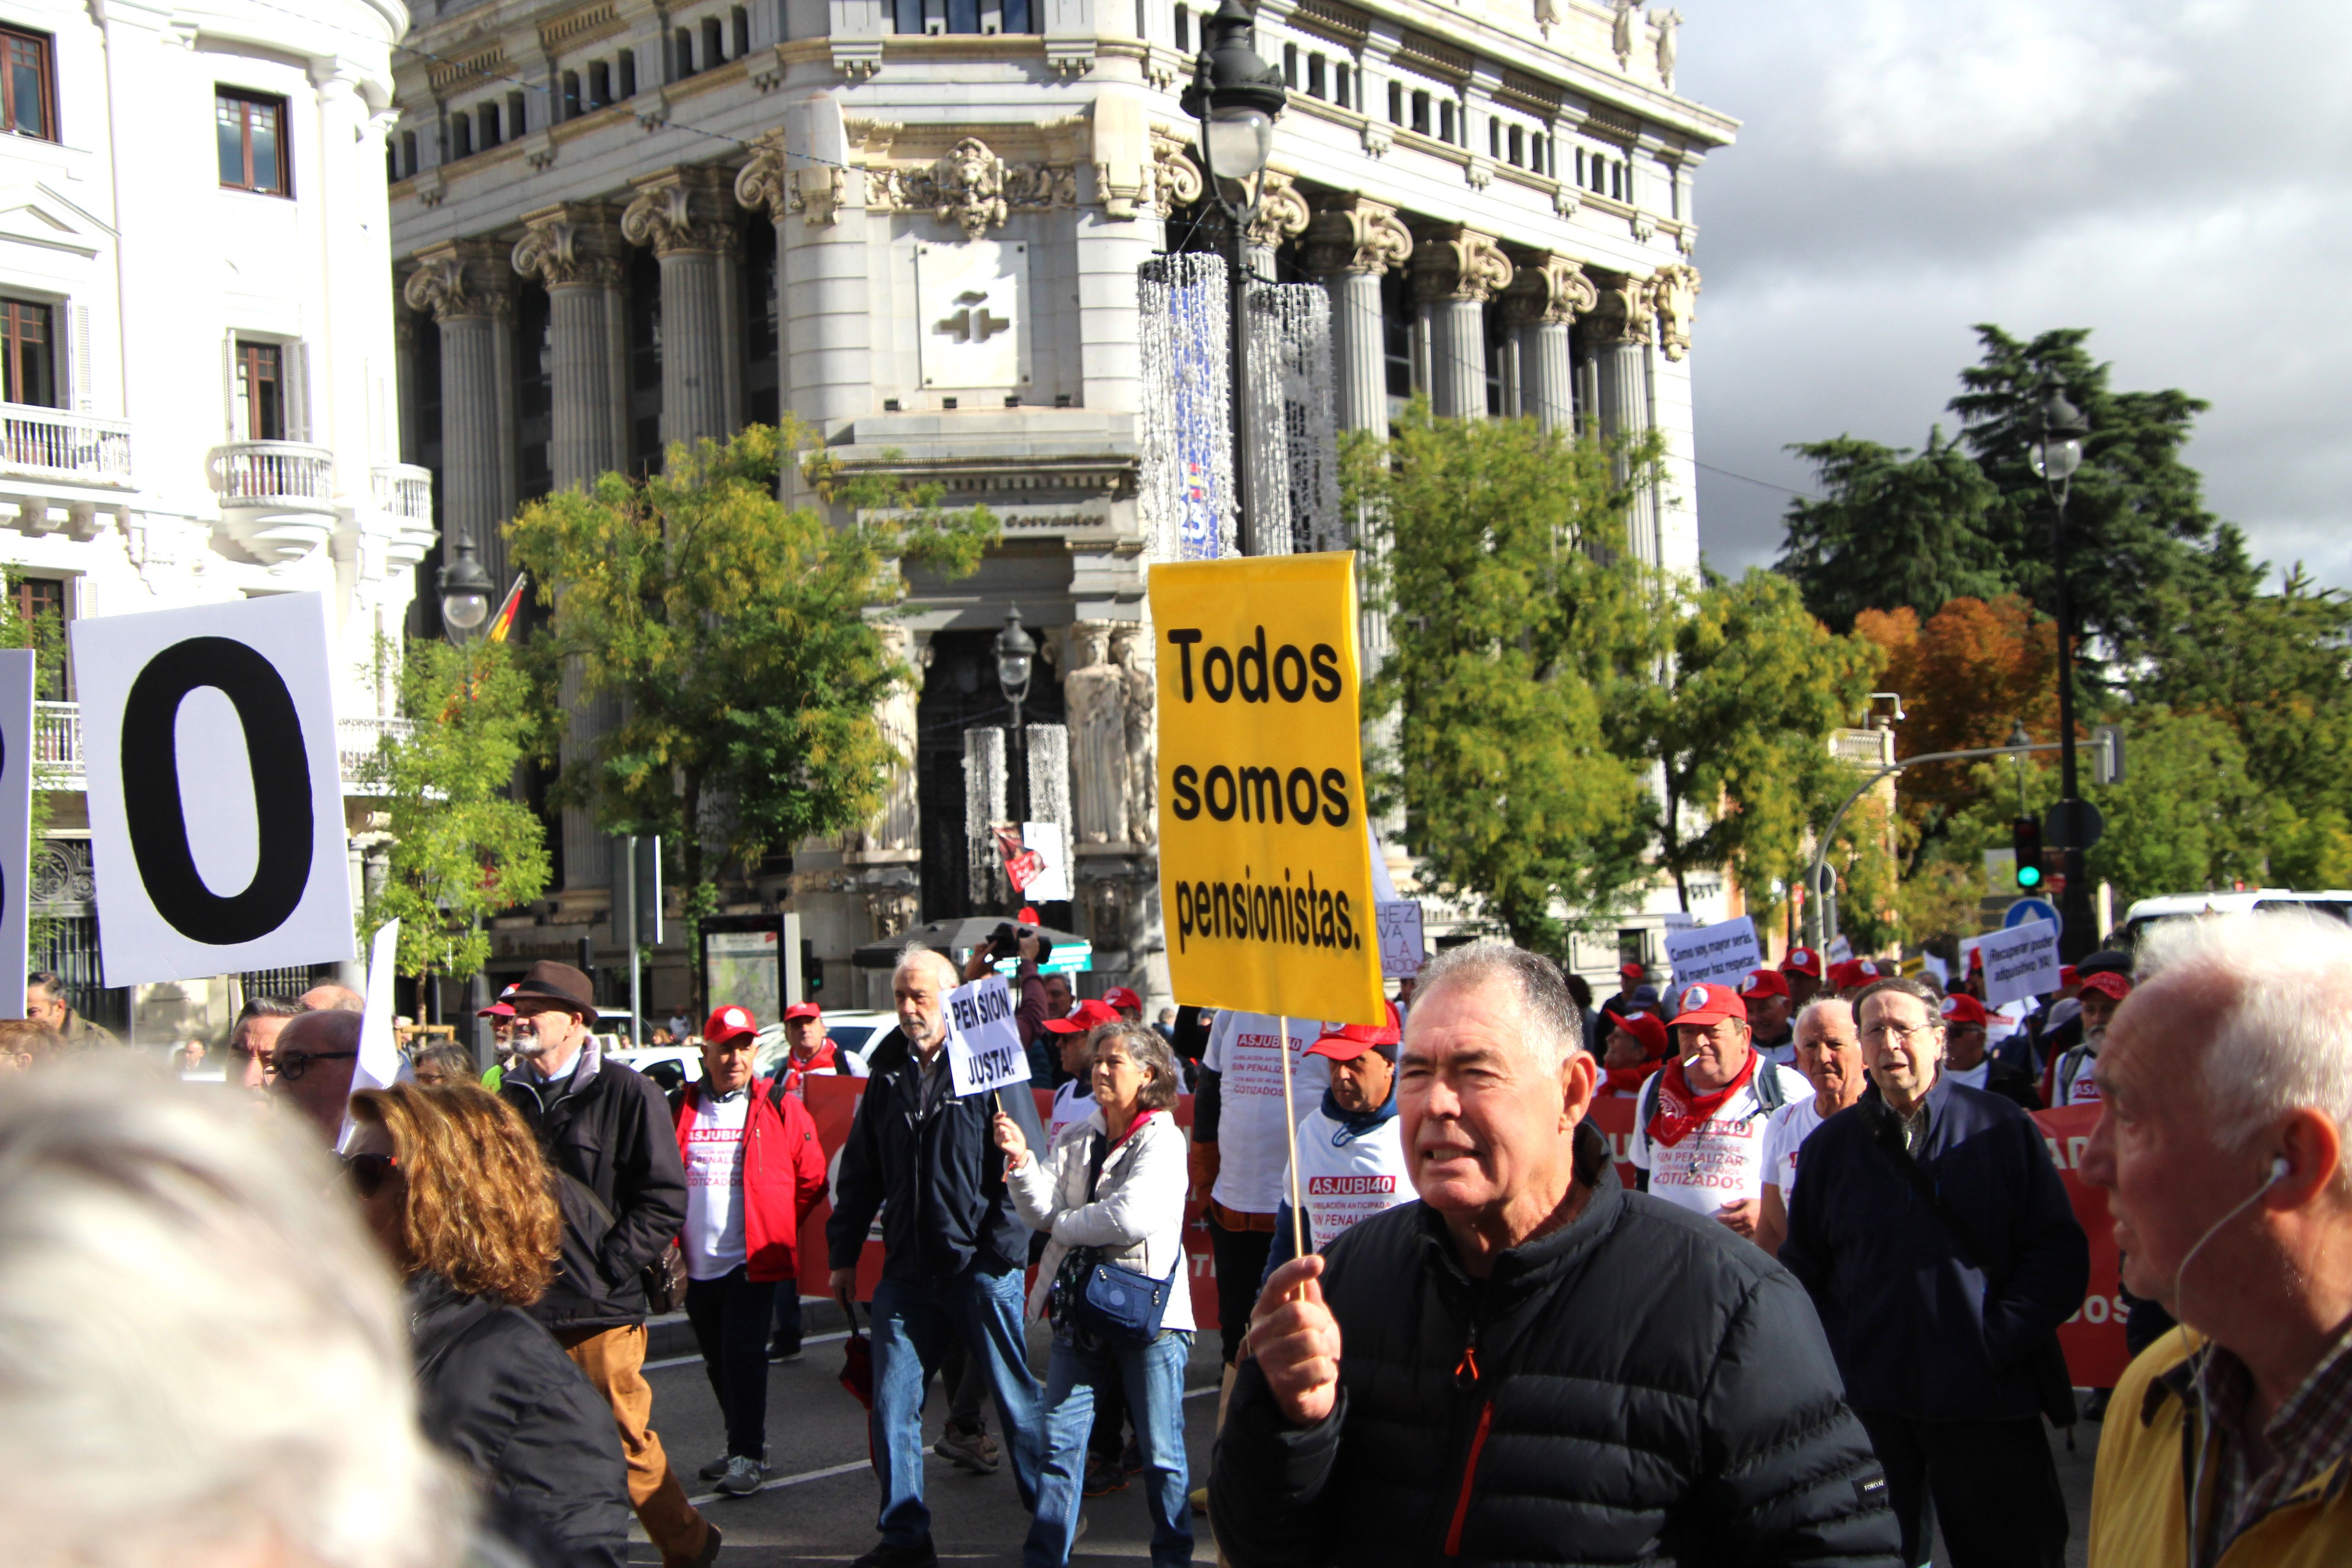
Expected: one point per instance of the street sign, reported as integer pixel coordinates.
(2072, 825)
(2025, 910)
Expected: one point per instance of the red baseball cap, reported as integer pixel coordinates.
(729, 1023)
(1846, 976)
(1803, 961)
(1346, 1045)
(1088, 1015)
(802, 1010)
(2106, 983)
(1708, 1002)
(1120, 996)
(1645, 1028)
(1962, 1008)
(2066, 975)
(1631, 971)
(1764, 982)
(502, 1008)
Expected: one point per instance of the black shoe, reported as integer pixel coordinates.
(782, 1350)
(1131, 1458)
(1102, 1480)
(888, 1556)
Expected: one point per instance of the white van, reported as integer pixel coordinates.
(2153, 912)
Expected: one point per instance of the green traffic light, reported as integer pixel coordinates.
(2029, 875)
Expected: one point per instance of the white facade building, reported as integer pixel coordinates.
(199, 384)
(621, 222)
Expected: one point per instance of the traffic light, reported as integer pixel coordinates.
(2025, 833)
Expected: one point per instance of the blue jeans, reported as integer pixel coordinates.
(1153, 1376)
(912, 1320)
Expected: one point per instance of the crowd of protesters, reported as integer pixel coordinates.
(1820, 1325)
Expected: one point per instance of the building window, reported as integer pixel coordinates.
(1445, 119)
(32, 370)
(261, 413)
(570, 95)
(682, 47)
(600, 84)
(1420, 112)
(461, 135)
(252, 142)
(1290, 66)
(1183, 30)
(36, 598)
(516, 117)
(1518, 153)
(714, 43)
(28, 94)
(408, 154)
(1318, 83)
(1339, 84)
(487, 116)
(740, 25)
(1495, 138)
(1396, 103)
(626, 63)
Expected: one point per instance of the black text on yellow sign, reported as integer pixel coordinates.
(1266, 874)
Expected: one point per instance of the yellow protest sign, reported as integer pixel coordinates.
(1266, 873)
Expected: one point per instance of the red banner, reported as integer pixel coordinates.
(2092, 1337)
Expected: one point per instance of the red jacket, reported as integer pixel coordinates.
(784, 1177)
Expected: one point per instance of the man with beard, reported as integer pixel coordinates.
(1966, 1062)
(2072, 1082)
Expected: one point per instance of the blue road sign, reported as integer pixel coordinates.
(2025, 910)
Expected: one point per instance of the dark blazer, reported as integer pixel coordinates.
(1926, 1323)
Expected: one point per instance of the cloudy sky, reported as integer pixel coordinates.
(2175, 175)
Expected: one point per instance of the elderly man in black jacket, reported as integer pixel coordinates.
(1531, 1364)
(1938, 1243)
(607, 1133)
(953, 1251)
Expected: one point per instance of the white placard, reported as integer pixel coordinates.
(984, 1050)
(1840, 950)
(381, 1064)
(215, 792)
(1399, 922)
(15, 825)
(2019, 963)
(1933, 965)
(1052, 882)
(1725, 951)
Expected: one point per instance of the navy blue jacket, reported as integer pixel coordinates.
(937, 1177)
(1916, 1329)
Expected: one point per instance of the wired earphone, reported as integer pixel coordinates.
(2280, 1168)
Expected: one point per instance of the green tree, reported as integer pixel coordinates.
(462, 847)
(1736, 728)
(1513, 612)
(1897, 530)
(740, 635)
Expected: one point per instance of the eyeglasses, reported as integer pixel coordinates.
(368, 1171)
(1881, 1034)
(292, 1064)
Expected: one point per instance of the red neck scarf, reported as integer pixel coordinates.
(796, 1069)
(1681, 1111)
(1629, 1081)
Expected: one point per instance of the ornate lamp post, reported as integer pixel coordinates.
(1016, 657)
(1236, 96)
(2056, 452)
(465, 596)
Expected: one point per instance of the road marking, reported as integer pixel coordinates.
(667, 1361)
(805, 1476)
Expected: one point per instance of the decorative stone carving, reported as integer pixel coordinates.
(1353, 234)
(968, 187)
(1566, 199)
(1456, 263)
(461, 278)
(766, 180)
(1093, 697)
(689, 209)
(1130, 649)
(1669, 46)
(972, 188)
(894, 909)
(1549, 291)
(1480, 172)
(1176, 180)
(1377, 138)
(1674, 296)
(1625, 31)
(1644, 227)
(1282, 212)
(898, 826)
(1548, 17)
(1622, 315)
(575, 245)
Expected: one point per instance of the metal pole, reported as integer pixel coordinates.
(625, 883)
(2078, 937)
(1245, 509)
(1016, 770)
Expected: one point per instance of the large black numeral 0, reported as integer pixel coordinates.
(281, 791)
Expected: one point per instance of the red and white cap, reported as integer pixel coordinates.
(1803, 961)
(1963, 1009)
(1631, 971)
(1346, 1045)
(502, 1008)
(727, 1025)
(1085, 1016)
(1708, 1002)
(1120, 996)
(2108, 983)
(1764, 982)
(802, 1010)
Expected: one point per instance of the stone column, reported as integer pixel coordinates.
(1619, 332)
(819, 211)
(1547, 295)
(1455, 271)
(467, 285)
(576, 251)
(687, 216)
(1281, 215)
(1351, 245)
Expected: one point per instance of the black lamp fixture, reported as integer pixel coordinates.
(465, 593)
(2055, 451)
(1017, 659)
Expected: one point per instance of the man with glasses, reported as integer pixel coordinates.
(310, 1067)
(1941, 1252)
(252, 1039)
(607, 1133)
(1698, 1125)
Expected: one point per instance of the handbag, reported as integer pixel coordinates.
(1091, 1297)
(663, 1278)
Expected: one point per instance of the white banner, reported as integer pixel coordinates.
(2019, 963)
(381, 1064)
(985, 1049)
(1398, 923)
(215, 792)
(1727, 953)
(1052, 883)
(1840, 950)
(15, 825)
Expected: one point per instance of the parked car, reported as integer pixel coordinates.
(852, 1032)
(2149, 912)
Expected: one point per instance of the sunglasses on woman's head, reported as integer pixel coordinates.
(368, 1171)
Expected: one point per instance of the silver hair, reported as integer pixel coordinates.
(1556, 1024)
(917, 954)
(1147, 1051)
(2283, 1039)
(200, 1352)
(1821, 1005)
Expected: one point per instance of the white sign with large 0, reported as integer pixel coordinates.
(215, 792)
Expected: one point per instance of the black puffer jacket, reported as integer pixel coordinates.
(494, 1390)
(1640, 1386)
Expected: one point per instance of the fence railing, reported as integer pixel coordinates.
(57, 753)
(57, 443)
(274, 473)
(404, 490)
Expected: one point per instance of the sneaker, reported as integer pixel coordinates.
(888, 1556)
(716, 1468)
(1103, 1479)
(782, 1350)
(742, 1477)
(1131, 1458)
(973, 1451)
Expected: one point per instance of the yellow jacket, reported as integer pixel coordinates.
(2137, 1517)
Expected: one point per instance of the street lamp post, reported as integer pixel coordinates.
(1017, 656)
(1236, 97)
(2056, 452)
(465, 596)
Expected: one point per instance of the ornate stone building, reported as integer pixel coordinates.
(916, 225)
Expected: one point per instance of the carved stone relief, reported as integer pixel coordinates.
(1094, 698)
(1674, 295)
(1130, 649)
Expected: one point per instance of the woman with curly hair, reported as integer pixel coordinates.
(451, 1184)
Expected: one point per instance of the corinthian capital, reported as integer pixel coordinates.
(574, 246)
(1353, 234)
(461, 278)
(1548, 289)
(1281, 211)
(686, 209)
(766, 181)
(1622, 316)
(1674, 295)
(1450, 262)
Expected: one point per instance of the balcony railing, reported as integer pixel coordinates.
(405, 491)
(255, 474)
(58, 754)
(56, 444)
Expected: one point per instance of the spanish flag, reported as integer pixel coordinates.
(505, 617)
